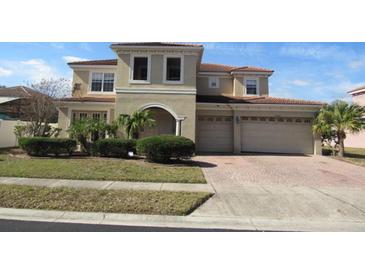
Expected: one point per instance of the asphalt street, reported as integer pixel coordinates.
(32, 226)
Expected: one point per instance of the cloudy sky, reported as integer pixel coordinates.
(316, 71)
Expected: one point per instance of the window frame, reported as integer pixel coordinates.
(102, 82)
(257, 85)
(131, 70)
(211, 81)
(164, 71)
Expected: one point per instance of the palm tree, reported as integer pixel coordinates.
(335, 120)
(80, 130)
(133, 123)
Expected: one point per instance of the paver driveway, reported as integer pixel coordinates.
(288, 188)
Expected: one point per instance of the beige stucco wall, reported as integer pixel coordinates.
(240, 86)
(183, 105)
(355, 140)
(264, 86)
(359, 99)
(82, 76)
(225, 86)
(63, 121)
(123, 73)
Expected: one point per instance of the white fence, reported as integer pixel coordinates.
(7, 136)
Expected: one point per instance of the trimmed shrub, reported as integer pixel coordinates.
(164, 148)
(114, 147)
(44, 146)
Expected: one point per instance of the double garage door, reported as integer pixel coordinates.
(258, 134)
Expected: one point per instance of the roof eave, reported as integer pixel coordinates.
(116, 47)
(75, 66)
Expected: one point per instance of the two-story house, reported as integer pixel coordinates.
(222, 108)
(357, 140)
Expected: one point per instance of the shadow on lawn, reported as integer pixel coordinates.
(355, 156)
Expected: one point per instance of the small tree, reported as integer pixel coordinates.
(84, 130)
(79, 130)
(97, 128)
(55, 88)
(40, 111)
(112, 129)
(335, 120)
(135, 122)
(40, 108)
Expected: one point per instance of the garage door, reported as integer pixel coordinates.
(214, 134)
(276, 135)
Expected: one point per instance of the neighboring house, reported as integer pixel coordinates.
(222, 108)
(357, 140)
(14, 103)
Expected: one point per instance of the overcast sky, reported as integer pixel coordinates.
(316, 71)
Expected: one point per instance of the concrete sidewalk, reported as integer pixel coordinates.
(232, 223)
(107, 184)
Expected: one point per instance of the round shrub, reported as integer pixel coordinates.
(45, 146)
(114, 147)
(164, 148)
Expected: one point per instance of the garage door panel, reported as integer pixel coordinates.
(276, 137)
(214, 134)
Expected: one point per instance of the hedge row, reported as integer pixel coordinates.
(164, 148)
(161, 148)
(45, 146)
(114, 147)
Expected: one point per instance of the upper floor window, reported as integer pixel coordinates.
(251, 86)
(213, 82)
(102, 82)
(140, 67)
(173, 69)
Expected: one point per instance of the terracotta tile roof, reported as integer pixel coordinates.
(228, 68)
(252, 69)
(17, 91)
(215, 68)
(88, 99)
(107, 62)
(253, 100)
(158, 44)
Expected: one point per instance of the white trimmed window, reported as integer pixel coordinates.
(213, 82)
(102, 82)
(252, 87)
(173, 69)
(140, 69)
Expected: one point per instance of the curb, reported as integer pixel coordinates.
(202, 222)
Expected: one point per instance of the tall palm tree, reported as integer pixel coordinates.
(133, 123)
(337, 119)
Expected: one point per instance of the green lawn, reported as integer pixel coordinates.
(90, 168)
(92, 200)
(354, 155)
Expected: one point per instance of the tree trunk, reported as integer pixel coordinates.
(341, 151)
(135, 135)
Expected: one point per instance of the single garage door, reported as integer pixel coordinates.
(276, 135)
(214, 134)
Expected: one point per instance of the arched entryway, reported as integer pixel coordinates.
(167, 121)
